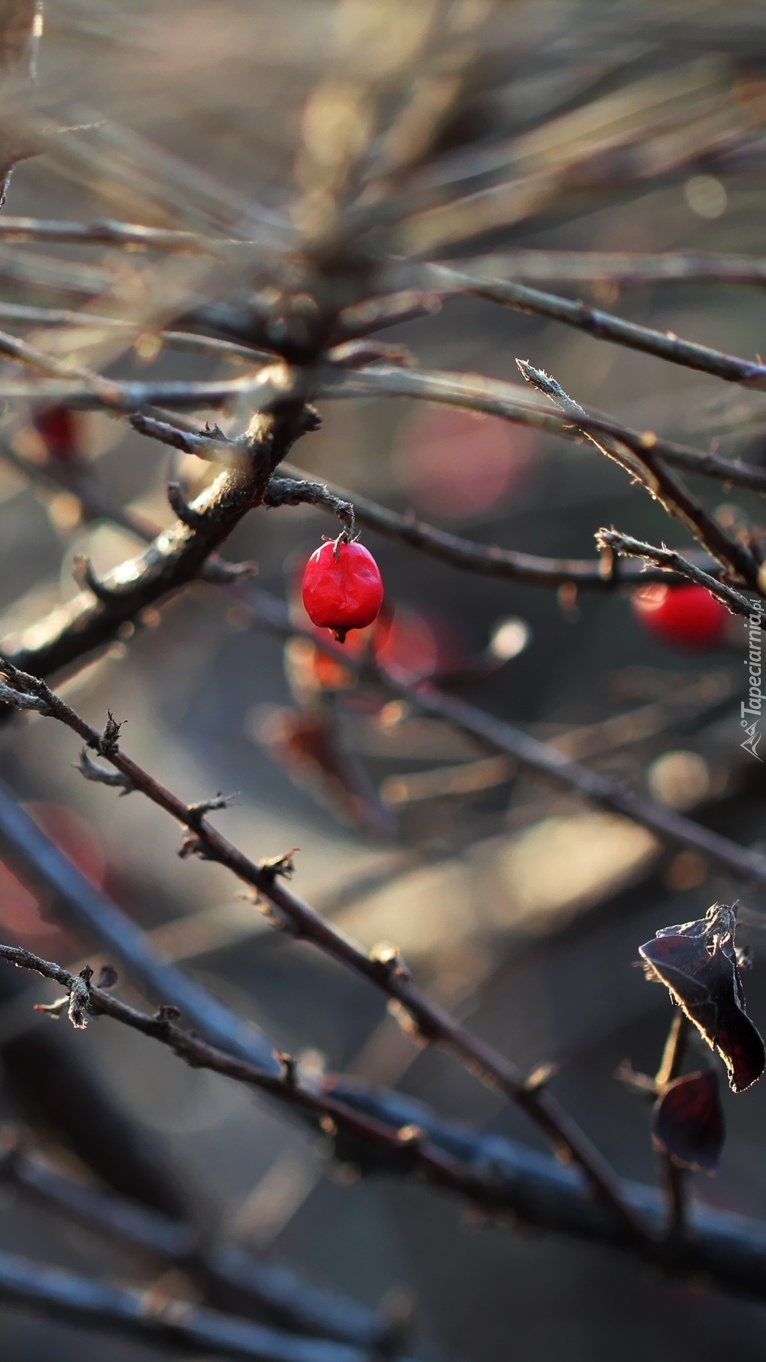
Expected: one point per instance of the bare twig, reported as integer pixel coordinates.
(89, 912)
(383, 967)
(675, 1176)
(506, 400)
(489, 560)
(674, 562)
(175, 558)
(60, 1294)
(399, 1136)
(673, 494)
(105, 231)
(221, 1268)
(626, 269)
(545, 759)
(601, 325)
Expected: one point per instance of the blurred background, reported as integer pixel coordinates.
(563, 127)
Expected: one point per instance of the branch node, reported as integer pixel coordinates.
(289, 1069)
(409, 1024)
(191, 845)
(196, 812)
(167, 1012)
(79, 998)
(388, 959)
(283, 866)
(181, 508)
(108, 742)
(86, 579)
(540, 1077)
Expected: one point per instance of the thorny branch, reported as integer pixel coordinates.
(399, 1136)
(174, 558)
(643, 463)
(544, 759)
(674, 562)
(382, 966)
(476, 392)
(601, 325)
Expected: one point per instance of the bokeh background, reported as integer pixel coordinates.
(600, 128)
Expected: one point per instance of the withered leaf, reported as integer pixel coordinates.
(697, 961)
(688, 1121)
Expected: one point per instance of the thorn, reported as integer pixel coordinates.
(107, 977)
(311, 419)
(180, 506)
(193, 846)
(409, 1024)
(167, 1012)
(55, 1009)
(411, 1135)
(540, 1077)
(275, 918)
(102, 775)
(289, 1068)
(607, 568)
(279, 865)
(86, 579)
(635, 1081)
(204, 806)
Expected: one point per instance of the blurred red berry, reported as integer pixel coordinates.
(59, 428)
(342, 588)
(685, 616)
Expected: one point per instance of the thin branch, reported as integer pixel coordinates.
(115, 396)
(489, 560)
(108, 232)
(382, 966)
(177, 556)
(659, 480)
(86, 1302)
(221, 1268)
(546, 760)
(399, 1136)
(531, 753)
(602, 325)
(674, 562)
(462, 553)
(476, 392)
(626, 269)
(88, 912)
(726, 1250)
(675, 1176)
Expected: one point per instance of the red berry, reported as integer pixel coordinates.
(59, 428)
(342, 588)
(687, 616)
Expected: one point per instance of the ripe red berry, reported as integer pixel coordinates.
(342, 587)
(687, 616)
